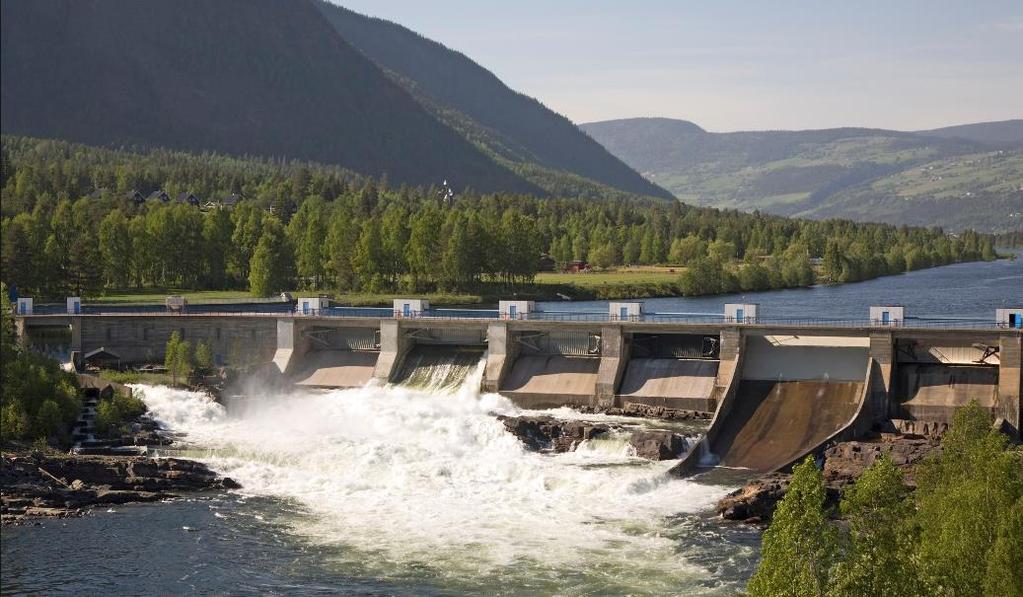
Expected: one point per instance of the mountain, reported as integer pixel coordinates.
(201, 75)
(517, 130)
(970, 175)
(1003, 133)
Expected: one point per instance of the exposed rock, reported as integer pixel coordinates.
(547, 434)
(633, 409)
(756, 501)
(61, 485)
(658, 444)
(843, 464)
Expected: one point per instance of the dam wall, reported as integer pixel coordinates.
(936, 376)
(912, 375)
(557, 368)
(234, 340)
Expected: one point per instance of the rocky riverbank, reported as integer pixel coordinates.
(548, 434)
(843, 464)
(632, 409)
(34, 484)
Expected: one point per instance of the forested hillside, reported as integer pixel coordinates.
(958, 177)
(275, 79)
(259, 77)
(73, 223)
(515, 128)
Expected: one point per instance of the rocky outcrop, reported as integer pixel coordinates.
(756, 501)
(843, 464)
(658, 444)
(633, 409)
(547, 434)
(33, 485)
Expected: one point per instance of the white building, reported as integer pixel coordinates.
(515, 309)
(887, 315)
(741, 312)
(410, 308)
(625, 311)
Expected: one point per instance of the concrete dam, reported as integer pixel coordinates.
(778, 390)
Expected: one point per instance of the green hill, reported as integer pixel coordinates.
(217, 76)
(519, 131)
(864, 174)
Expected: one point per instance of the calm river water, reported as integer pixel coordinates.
(404, 491)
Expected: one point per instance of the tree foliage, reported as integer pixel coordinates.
(71, 226)
(800, 546)
(959, 533)
(37, 398)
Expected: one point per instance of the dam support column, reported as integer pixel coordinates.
(1009, 382)
(393, 346)
(614, 356)
(291, 345)
(882, 363)
(76, 334)
(501, 352)
(729, 370)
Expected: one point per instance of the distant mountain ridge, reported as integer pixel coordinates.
(516, 128)
(960, 176)
(275, 79)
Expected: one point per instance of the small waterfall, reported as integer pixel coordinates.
(435, 368)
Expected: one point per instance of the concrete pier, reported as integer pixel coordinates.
(393, 346)
(614, 355)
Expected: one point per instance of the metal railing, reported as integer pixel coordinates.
(281, 309)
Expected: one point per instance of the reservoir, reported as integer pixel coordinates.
(416, 488)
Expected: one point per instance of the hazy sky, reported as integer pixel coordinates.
(730, 65)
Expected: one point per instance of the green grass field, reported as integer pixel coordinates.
(583, 281)
(596, 279)
(153, 296)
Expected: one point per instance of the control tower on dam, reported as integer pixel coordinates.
(778, 389)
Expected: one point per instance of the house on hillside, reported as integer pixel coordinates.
(577, 266)
(547, 264)
(231, 200)
(135, 197)
(96, 194)
(188, 199)
(158, 195)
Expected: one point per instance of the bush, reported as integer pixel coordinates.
(38, 399)
(114, 414)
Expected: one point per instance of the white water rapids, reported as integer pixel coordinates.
(406, 481)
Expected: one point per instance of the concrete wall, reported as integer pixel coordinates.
(393, 346)
(235, 340)
(765, 361)
(502, 350)
(614, 355)
(1010, 398)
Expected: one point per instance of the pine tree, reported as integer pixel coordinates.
(271, 270)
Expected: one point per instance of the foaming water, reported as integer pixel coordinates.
(406, 483)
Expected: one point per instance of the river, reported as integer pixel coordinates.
(963, 290)
(410, 491)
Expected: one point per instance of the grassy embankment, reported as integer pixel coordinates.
(634, 282)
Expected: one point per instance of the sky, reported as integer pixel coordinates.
(729, 65)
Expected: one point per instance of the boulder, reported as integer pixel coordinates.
(658, 444)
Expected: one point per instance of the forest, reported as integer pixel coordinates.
(71, 226)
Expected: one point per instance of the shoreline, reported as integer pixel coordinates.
(36, 485)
